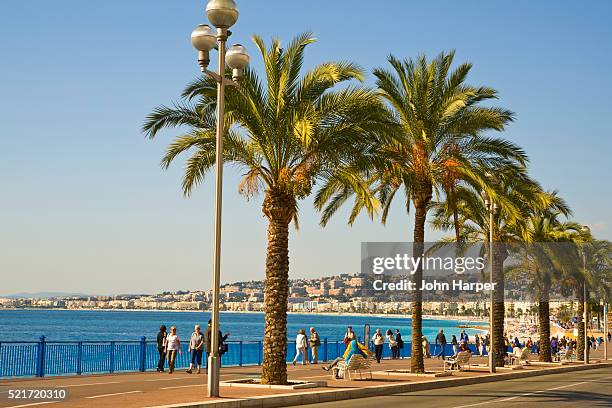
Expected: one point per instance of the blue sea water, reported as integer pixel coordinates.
(98, 325)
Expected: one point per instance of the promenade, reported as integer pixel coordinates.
(153, 389)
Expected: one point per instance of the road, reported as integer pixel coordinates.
(591, 388)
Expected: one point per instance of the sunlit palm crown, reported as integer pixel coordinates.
(285, 132)
(439, 140)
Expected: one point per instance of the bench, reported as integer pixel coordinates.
(457, 363)
(522, 357)
(356, 364)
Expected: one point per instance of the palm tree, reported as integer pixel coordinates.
(285, 134)
(543, 259)
(516, 196)
(439, 141)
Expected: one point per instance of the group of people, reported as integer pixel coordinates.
(169, 345)
(480, 341)
(303, 342)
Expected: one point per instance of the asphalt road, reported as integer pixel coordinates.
(591, 388)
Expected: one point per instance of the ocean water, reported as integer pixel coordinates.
(98, 325)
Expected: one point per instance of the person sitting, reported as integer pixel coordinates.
(354, 347)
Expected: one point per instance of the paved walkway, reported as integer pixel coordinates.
(155, 389)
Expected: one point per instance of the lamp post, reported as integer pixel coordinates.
(222, 14)
(491, 208)
(605, 327)
(586, 230)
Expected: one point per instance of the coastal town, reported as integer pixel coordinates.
(344, 293)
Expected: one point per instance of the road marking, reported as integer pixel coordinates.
(168, 379)
(527, 394)
(88, 384)
(34, 403)
(111, 395)
(182, 386)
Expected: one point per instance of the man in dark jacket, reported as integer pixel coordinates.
(222, 338)
(161, 348)
(441, 340)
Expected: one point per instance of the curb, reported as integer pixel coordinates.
(283, 400)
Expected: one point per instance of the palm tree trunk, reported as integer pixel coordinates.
(499, 347)
(279, 209)
(417, 365)
(580, 323)
(544, 323)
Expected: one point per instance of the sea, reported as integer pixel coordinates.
(101, 325)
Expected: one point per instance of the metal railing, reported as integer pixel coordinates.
(51, 358)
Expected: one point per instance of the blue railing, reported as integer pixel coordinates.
(52, 358)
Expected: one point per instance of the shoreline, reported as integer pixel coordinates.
(335, 314)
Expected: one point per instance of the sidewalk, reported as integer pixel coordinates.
(184, 390)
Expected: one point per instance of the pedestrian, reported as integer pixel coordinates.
(222, 347)
(463, 337)
(517, 343)
(455, 344)
(477, 342)
(554, 344)
(378, 341)
(392, 344)
(196, 347)
(400, 342)
(441, 341)
(349, 335)
(425, 345)
(161, 348)
(315, 342)
(301, 347)
(485, 343)
(173, 345)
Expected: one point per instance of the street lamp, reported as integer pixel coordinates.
(586, 230)
(222, 14)
(491, 208)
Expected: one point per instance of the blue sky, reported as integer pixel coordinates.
(85, 206)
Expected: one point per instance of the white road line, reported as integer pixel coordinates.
(88, 384)
(34, 403)
(112, 395)
(182, 386)
(168, 379)
(527, 394)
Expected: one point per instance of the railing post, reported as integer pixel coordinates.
(143, 354)
(112, 357)
(325, 350)
(240, 354)
(79, 369)
(40, 360)
(259, 349)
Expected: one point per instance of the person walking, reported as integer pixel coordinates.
(161, 348)
(196, 347)
(223, 347)
(400, 342)
(477, 342)
(441, 341)
(301, 347)
(173, 345)
(378, 341)
(455, 344)
(349, 335)
(392, 344)
(315, 342)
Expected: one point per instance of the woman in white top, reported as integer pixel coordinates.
(173, 344)
(392, 344)
(378, 341)
(301, 347)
